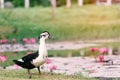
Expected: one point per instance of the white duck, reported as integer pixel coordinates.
(36, 59)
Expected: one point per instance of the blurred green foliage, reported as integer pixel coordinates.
(44, 3)
(70, 24)
(20, 3)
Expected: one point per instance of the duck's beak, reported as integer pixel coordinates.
(50, 37)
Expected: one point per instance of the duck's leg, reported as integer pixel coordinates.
(29, 74)
(39, 70)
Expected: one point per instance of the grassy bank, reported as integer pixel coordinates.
(22, 75)
(87, 22)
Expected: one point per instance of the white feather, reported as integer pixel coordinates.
(20, 60)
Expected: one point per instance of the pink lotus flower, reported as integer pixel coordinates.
(13, 40)
(0, 41)
(25, 40)
(101, 58)
(93, 49)
(53, 67)
(103, 50)
(16, 66)
(32, 40)
(48, 61)
(4, 41)
(3, 58)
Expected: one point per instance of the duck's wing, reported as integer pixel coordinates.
(30, 57)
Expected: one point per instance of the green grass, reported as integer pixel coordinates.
(22, 75)
(70, 24)
(63, 53)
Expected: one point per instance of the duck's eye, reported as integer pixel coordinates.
(44, 35)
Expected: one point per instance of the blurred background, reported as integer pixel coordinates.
(65, 19)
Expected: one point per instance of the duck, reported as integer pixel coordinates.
(36, 59)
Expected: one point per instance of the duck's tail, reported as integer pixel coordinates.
(19, 63)
(27, 65)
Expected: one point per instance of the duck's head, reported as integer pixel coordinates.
(44, 35)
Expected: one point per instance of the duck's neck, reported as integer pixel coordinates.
(42, 46)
